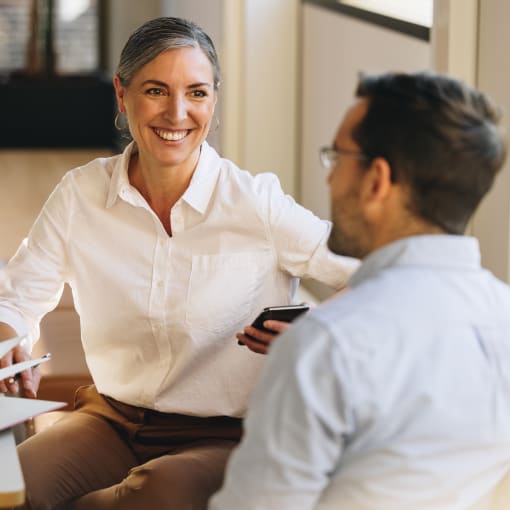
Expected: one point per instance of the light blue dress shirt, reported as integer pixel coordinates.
(395, 395)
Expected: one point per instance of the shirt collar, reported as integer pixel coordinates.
(120, 179)
(439, 251)
(202, 184)
(201, 187)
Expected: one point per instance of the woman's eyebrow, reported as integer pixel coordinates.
(154, 82)
(163, 84)
(199, 84)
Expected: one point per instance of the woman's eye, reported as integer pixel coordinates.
(199, 93)
(154, 92)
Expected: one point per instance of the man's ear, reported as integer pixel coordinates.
(376, 186)
(119, 94)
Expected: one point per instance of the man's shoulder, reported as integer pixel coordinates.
(368, 299)
(400, 301)
(355, 314)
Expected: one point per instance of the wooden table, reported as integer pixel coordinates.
(12, 487)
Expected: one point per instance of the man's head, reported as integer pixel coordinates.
(428, 148)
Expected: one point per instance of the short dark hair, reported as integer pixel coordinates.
(159, 35)
(440, 137)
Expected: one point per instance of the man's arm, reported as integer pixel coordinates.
(293, 431)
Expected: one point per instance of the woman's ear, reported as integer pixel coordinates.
(119, 94)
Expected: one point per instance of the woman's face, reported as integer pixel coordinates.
(169, 105)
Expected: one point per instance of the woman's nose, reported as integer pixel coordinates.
(176, 108)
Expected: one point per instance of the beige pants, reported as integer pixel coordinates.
(109, 455)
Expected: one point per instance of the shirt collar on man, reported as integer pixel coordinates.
(199, 191)
(452, 251)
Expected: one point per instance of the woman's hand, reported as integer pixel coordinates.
(260, 341)
(29, 379)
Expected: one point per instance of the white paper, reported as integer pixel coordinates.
(15, 410)
(12, 487)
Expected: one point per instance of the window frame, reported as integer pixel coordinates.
(405, 27)
(101, 41)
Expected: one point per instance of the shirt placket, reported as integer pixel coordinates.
(158, 303)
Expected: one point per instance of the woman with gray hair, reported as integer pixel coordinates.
(169, 251)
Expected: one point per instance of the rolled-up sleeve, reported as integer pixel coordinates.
(300, 239)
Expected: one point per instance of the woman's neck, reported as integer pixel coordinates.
(161, 186)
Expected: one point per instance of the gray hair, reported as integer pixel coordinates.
(159, 35)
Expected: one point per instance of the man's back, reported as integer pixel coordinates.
(400, 389)
(428, 337)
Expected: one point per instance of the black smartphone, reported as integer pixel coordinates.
(286, 313)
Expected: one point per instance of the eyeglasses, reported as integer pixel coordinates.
(329, 156)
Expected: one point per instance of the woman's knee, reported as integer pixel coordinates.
(181, 481)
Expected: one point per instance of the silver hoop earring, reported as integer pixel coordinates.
(120, 122)
(217, 124)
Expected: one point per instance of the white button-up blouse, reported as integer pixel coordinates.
(158, 313)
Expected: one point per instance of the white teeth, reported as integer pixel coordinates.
(171, 135)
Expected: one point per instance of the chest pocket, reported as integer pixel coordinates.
(224, 288)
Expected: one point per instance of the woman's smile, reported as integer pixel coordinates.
(171, 135)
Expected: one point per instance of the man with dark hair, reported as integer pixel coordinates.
(396, 394)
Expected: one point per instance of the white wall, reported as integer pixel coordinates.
(206, 13)
(261, 86)
(491, 224)
(471, 41)
(271, 88)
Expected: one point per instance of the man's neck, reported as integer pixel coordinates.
(410, 226)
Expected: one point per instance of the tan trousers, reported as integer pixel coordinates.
(109, 455)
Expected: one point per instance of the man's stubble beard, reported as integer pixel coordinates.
(349, 231)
